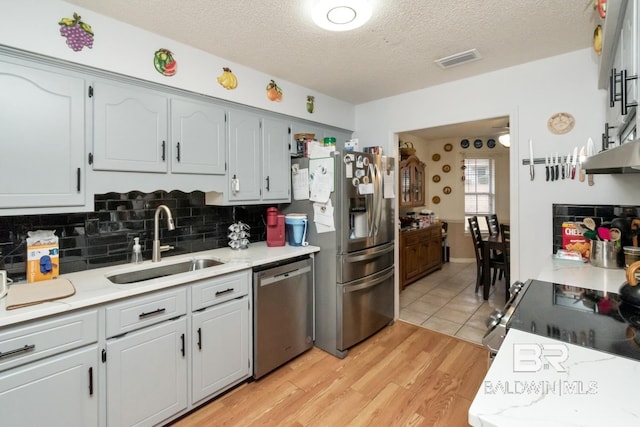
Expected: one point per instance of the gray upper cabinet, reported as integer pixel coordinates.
(198, 137)
(130, 128)
(42, 117)
(275, 160)
(244, 157)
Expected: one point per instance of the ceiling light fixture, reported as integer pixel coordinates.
(341, 15)
(505, 140)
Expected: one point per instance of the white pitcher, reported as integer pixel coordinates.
(4, 283)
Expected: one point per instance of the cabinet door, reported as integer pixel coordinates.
(276, 162)
(198, 137)
(147, 375)
(42, 117)
(244, 157)
(220, 353)
(411, 261)
(130, 128)
(57, 391)
(629, 50)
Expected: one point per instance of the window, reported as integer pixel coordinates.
(479, 189)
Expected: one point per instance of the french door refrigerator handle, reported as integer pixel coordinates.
(368, 284)
(374, 253)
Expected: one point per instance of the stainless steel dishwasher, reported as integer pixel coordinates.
(282, 313)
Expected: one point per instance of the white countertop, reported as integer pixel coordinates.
(93, 288)
(591, 388)
(596, 389)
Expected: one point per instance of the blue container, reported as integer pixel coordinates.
(296, 227)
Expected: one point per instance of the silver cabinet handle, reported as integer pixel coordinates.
(17, 351)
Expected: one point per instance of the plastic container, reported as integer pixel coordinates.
(631, 255)
(296, 225)
(604, 254)
(136, 256)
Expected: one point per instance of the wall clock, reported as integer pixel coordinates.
(464, 143)
(446, 190)
(477, 143)
(436, 178)
(448, 147)
(560, 123)
(491, 143)
(446, 168)
(435, 200)
(435, 157)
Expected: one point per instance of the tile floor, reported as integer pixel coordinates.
(445, 301)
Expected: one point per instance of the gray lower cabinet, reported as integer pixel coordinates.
(147, 375)
(49, 372)
(221, 347)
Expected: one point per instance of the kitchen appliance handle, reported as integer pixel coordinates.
(378, 193)
(368, 284)
(373, 254)
(269, 280)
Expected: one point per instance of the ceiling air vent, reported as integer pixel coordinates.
(458, 58)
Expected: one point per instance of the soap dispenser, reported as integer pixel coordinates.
(136, 257)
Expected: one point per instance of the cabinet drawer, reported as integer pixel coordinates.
(220, 289)
(415, 236)
(146, 310)
(39, 339)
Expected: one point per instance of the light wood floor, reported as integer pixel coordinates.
(403, 376)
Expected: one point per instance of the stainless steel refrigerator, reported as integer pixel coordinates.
(354, 270)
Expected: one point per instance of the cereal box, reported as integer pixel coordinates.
(42, 255)
(573, 240)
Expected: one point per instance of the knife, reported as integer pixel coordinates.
(532, 171)
(557, 167)
(551, 168)
(574, 161)
(563, 167)
(568, 165)
(583, 156)
(590, 152)
(546, 166)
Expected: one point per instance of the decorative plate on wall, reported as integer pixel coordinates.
(435, 200)
(446, 190)
(436, 178)
(446, 168)
(560, 123)
(435, 157)
(477, 143)
(448, 147)
(464, 143)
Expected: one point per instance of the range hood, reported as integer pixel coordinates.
(622, 159)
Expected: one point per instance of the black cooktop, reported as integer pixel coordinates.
(594, 319)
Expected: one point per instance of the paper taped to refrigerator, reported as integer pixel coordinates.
(323, 217)
(388, 181)
(300, 184)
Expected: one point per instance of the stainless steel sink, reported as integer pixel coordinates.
(162, 271)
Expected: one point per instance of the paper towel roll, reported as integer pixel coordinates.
(360, 224)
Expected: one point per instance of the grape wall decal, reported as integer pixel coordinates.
(78, 34)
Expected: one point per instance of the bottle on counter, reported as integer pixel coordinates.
(136, 256)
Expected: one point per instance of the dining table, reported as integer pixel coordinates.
(488, 244)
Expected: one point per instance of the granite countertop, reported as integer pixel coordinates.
(589, 388)
(93, 287)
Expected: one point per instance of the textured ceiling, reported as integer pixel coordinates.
(393, 53)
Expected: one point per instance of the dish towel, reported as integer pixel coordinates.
(23, 295)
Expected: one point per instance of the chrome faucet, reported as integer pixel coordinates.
(157, 249)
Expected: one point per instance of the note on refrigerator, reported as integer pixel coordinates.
(388, 181)
(300, 183)
(323, 217)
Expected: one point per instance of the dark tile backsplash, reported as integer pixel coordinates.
(105, 237)
(602, 214)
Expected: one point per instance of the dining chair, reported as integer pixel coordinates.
(505, 230)
(476, 237)
(492, 224)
